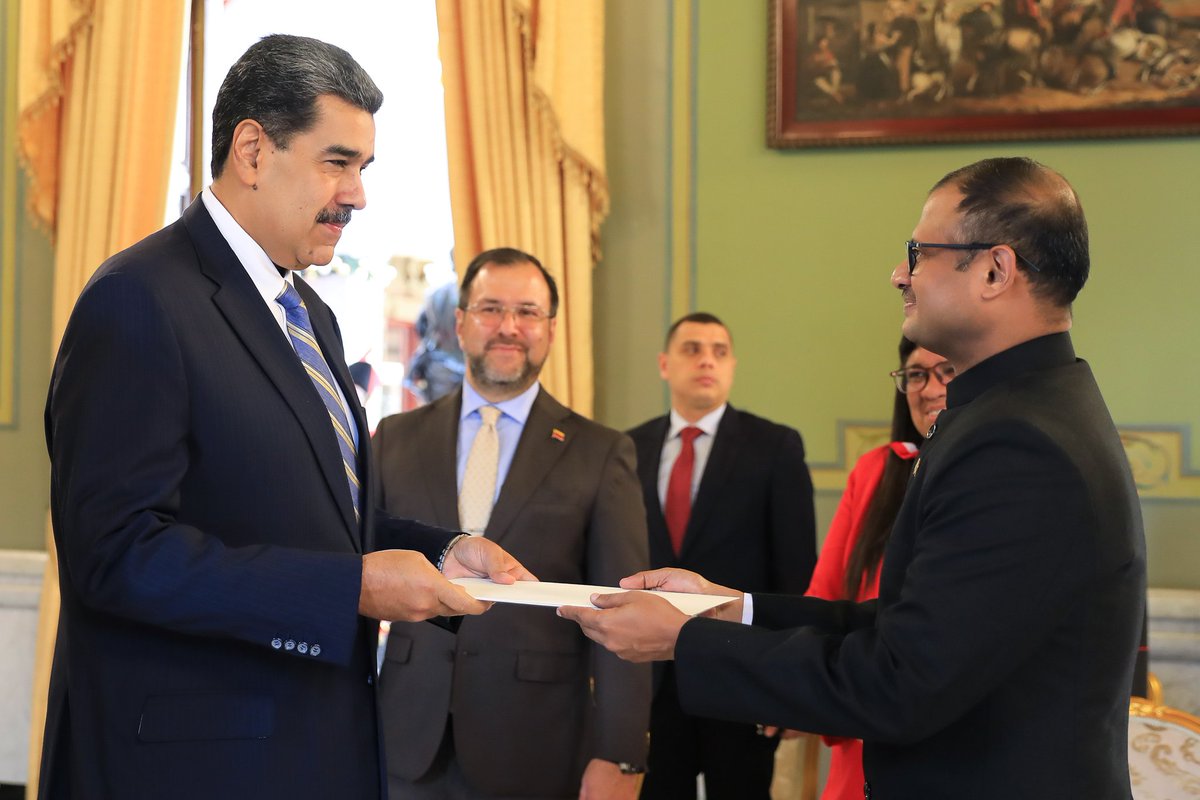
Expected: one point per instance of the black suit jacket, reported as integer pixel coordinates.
(752, 524)
(533, 700)
(996, 662)
(209, 643)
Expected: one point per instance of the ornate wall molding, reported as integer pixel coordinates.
(1175, 645)
(1158, 455)
(20, 587)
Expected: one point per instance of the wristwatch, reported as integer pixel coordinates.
(630, 769)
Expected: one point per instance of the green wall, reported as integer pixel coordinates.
(24, 466)
(631, 283)
(794, 249)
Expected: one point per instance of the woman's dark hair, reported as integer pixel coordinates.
(867, 553)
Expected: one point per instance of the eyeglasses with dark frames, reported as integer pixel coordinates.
(914, 379)
(914, 247)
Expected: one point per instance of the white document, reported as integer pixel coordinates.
(545, 593)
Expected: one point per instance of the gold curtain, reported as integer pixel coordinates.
(97, 88)
(524, 84)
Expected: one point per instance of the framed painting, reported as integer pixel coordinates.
(848, 72)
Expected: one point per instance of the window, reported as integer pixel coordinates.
(397, 249)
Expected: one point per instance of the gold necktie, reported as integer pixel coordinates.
(479, 478)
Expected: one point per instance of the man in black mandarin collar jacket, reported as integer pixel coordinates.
(996, 662)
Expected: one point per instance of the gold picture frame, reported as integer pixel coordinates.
(856, 72)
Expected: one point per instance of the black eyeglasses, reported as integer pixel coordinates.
(914, 247)
(913, 379)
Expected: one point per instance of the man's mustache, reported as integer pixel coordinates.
(337, 216)
(507, 341)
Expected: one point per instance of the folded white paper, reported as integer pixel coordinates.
(545, 593)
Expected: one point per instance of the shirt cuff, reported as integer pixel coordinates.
(747, 609)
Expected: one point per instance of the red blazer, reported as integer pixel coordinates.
(845, 781)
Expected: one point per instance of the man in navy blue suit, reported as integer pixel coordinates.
(222, 567)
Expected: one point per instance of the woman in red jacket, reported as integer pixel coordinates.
(848, 568)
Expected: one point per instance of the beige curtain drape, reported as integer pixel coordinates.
(524, 84)
(97, 88)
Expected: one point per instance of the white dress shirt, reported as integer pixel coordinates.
(510, 424)
(265, 277)
(702, 446)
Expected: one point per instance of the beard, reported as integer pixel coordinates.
(487, 376)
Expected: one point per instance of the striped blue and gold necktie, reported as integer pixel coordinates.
(300, 331)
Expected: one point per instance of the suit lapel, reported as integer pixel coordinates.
(438, 446)
(716, 476)
(330, 339)
(649, 462)
(242, 307)
(537, 452)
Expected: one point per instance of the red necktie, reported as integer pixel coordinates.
(679, 489)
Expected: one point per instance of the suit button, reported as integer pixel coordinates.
(277, 643)
(302, 648)
(290, 644)
(370, 680)
(315, 650)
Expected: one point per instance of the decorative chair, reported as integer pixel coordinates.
(1164, 752)
(1154, 689)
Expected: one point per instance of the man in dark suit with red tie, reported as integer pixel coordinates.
(221, 564)
(727, 493)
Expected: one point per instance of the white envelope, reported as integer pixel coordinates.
(545, 593)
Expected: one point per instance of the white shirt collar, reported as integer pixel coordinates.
(708, 423)
(517, 407)
(257, 263)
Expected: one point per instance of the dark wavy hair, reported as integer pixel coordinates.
(277, 82)
(867, 553)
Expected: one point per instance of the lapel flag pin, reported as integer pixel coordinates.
(557, 435)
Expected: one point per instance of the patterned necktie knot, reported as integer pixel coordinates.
(289, 298)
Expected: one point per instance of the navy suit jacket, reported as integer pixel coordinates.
(996, 662)
(209, 643)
